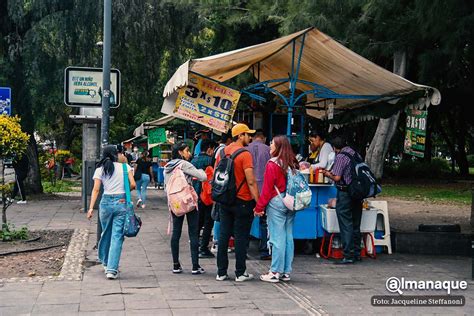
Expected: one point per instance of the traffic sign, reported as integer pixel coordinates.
(5, 101)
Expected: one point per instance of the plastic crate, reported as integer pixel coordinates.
(331, 225)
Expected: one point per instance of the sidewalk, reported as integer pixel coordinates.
(147, 286)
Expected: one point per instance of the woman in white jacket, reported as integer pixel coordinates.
(181, 156)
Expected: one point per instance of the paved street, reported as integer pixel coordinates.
(147, 286)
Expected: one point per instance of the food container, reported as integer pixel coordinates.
(331, 225)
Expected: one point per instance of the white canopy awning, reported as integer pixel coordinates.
(324, 62)
(140, 130)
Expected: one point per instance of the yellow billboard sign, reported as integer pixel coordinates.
(207, 102)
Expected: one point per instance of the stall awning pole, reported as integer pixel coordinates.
(293, 80)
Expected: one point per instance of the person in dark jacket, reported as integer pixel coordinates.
(20, 164)
(203, 161)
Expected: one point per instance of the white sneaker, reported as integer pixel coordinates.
(270, 277)
(214, 249)
(222, 277)
(244, 277)
(285, 277)
(111, 275)
(21, 202)
(139, 202)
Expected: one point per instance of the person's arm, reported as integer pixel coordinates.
(252, 183)
(94, 195)
(189, 169)
(267, 189)
(152, 175)
(131, 180)
(330, 175)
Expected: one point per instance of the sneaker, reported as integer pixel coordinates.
(177, 268)
(105, 269)
(139, 202)
(244, 277)
(270, 277)
(111, 275)
(206, 254)
(198, 271)
(21, 202)
(285, 277)
(214, 249)
(222, 277)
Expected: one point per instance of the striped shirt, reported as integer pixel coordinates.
(342, 166)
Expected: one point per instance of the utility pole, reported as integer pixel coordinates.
(104, 132)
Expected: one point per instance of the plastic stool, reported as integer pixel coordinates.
(382, 209)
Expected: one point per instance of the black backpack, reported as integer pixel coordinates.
(224, 189)
(364, 184)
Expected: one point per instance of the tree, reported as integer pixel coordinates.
(13, 144)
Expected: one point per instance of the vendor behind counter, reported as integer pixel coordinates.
(321, 152)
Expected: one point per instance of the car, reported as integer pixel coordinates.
(8, 163)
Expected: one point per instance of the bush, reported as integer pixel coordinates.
(421, 169)
(470, 160)
(10, 233)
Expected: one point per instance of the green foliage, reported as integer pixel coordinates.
(12, 139)
(470, 160)
(10, 233)
(416, 169)
(427, 192)
(59, 186)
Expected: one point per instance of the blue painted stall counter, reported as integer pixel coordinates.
(308, 224)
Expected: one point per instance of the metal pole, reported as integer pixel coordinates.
(104, 135)
(104, 131)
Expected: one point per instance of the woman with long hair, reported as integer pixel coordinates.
(180, 158)
(112, 207)
(280, 219)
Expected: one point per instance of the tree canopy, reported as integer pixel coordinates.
(151, 38)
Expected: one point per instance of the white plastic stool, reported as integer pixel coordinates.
(382, 207)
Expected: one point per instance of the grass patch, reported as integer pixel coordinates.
(434, 193)
(471, 171)
(60, 186)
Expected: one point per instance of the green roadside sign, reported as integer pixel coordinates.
(157, 136)
(415, 136)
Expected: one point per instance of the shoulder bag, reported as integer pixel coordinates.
(133, 223)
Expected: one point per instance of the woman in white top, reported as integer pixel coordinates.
(112, 207)
(325, 156)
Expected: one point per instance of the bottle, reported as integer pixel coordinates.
(311, 174)
(320, 176)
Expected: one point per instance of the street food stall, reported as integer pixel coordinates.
(308, 72)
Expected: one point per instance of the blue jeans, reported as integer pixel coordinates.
(112, 218)
(280, 225)
(217, 230)
(142, 184)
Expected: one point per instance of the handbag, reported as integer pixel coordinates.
(133, 222)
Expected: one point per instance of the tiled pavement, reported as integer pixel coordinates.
(146, 285)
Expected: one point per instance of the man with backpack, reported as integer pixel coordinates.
(204, 161)
(235, 188)
(348, 208)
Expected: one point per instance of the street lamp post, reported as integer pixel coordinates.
(104, 132)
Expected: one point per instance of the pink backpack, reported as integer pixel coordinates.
(181, 196)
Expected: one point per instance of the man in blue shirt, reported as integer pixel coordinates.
(261, 155)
